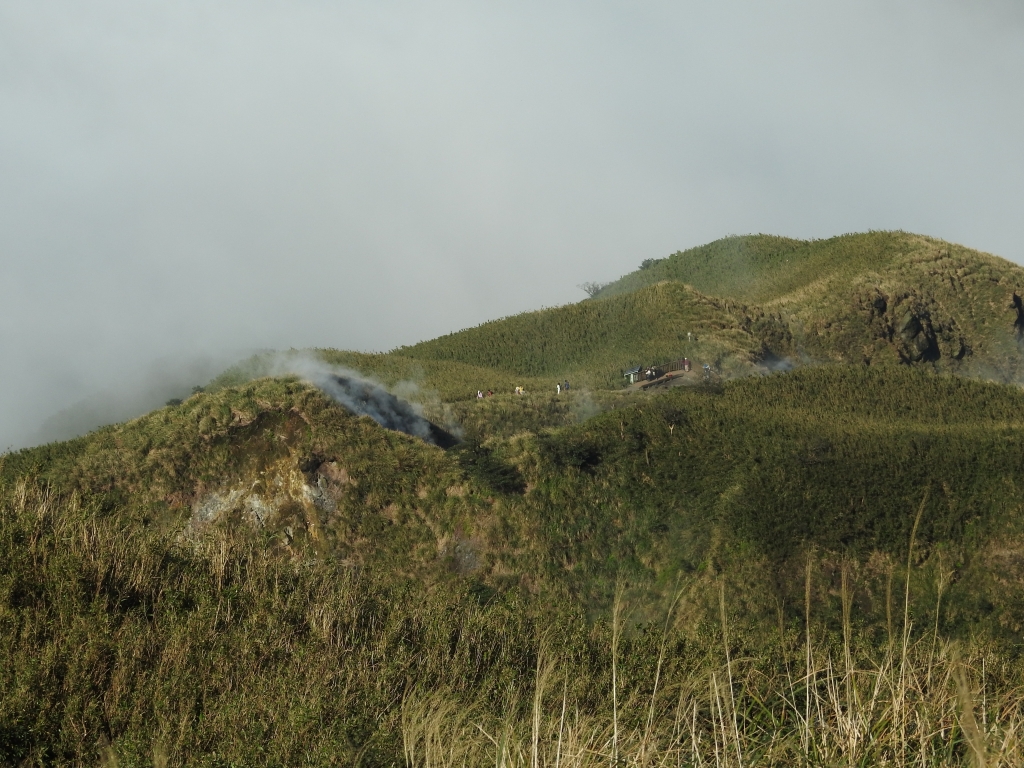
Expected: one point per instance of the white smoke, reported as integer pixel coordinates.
(361, 395)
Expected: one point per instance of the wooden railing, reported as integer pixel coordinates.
(675, 365)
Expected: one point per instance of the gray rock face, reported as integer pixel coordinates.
(916, 332)
(1017, 305)
(909, 327)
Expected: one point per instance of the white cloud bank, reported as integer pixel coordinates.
(186, 179)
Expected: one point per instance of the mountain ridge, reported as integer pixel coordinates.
(258, 575)
(877, 298)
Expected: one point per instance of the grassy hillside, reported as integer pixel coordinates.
(879, 297)
(762, 269)
(590, 344)
(746, 268)
(740, 304)
(819, 567)
(276, 454)
(839, 460)
(258, 577)
(595, 341)
(127, 647)
(418, 379)
(836, 458)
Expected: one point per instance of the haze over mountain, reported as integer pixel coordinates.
(797, 540)
(891, 327)
(331, 556)
(185, 180)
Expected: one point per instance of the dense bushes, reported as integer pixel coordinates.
(215, 651)
(124, 645)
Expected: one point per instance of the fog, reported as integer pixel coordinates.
(182, 182)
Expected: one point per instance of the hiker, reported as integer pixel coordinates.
(490, 393)
(558, 389)
(479, 394)
(686, 365)
(565, 387)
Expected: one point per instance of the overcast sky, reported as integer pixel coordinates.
(184, 181)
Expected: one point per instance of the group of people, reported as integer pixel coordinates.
(560, 387)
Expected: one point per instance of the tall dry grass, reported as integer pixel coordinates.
(118, 640)
(915, 702)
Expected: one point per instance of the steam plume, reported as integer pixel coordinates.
(364, 397)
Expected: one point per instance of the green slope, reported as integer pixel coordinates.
(145, 605)
(739, 304)
(595, 341)
(257, 576)
(274, 454)
(838, 458)
(419, 379)
(590, 343)
(879, 297)
(745, 268)
(762, 269)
